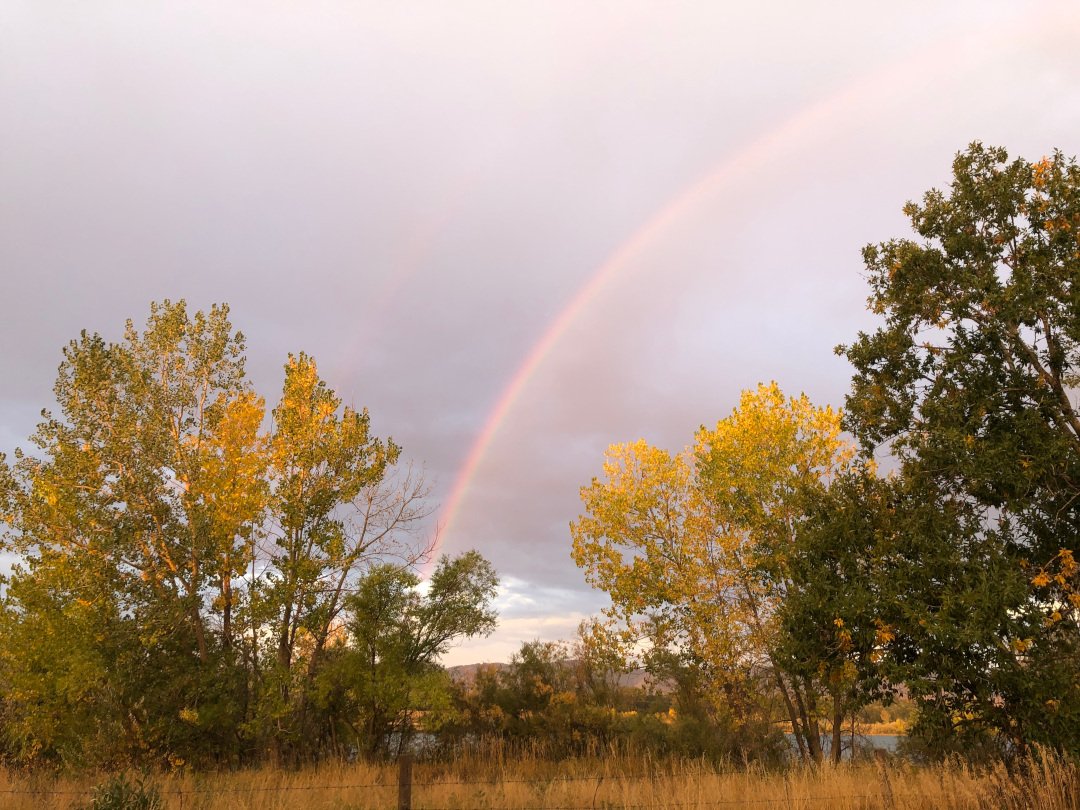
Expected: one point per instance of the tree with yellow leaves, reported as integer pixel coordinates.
(132, 523)
(335, 508)
(694, 547)
(181, 570)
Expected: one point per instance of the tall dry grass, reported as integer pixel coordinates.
(1044, 782)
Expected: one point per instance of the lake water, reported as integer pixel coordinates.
(863, 742)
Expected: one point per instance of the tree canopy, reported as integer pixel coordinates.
(970, 383)
(694, 548)
(769, 554)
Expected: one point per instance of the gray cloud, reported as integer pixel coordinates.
(412, 194)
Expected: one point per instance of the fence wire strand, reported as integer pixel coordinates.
(179, 793)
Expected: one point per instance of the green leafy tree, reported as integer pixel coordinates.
(600, 660)
(837, 615)
(970, 382)
(389, 672)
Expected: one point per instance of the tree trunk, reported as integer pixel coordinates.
(796, 727)
(813, 734)
(200, 633)
(226, 609)
(837, 728)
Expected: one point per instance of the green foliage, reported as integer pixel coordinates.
(389, 672)
(970, 383)
(122, 793)
(832, 623)
(181, 570)
(562, 700)
(539, 699)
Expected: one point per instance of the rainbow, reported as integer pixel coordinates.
(417, 248)
(910, 72)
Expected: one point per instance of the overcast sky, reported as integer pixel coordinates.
(516, 232)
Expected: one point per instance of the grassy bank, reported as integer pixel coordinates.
(1049, 784)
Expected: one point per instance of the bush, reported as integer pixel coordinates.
(121, 793)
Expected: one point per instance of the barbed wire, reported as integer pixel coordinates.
(284, 788)
(665, 806)
(492, 781)
(885, 798)
(180, 792)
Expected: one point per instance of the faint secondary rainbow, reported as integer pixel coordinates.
(417, 249)
(912, 70)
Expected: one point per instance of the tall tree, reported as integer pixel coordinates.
(694, 548)
(971, 383)
(838, 612)
(182, 570)
(120, 531)
(335, 509)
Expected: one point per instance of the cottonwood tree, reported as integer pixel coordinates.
(124, 535)
(693, 548)
(839, 612)
(335, 508)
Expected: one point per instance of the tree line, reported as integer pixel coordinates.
(194, 587)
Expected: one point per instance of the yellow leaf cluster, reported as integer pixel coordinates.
(684, 540)
(884, 633)
(843, 641)
(1062, 575)
(1041, 171)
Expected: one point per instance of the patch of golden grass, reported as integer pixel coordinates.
(527, 783)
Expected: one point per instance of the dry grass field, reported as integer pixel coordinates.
(614, 782)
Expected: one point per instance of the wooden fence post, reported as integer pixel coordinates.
(886, 785)
(404, 790)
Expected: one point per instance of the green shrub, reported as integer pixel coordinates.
(121, 793)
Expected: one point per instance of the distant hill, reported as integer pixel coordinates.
(466, 674)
